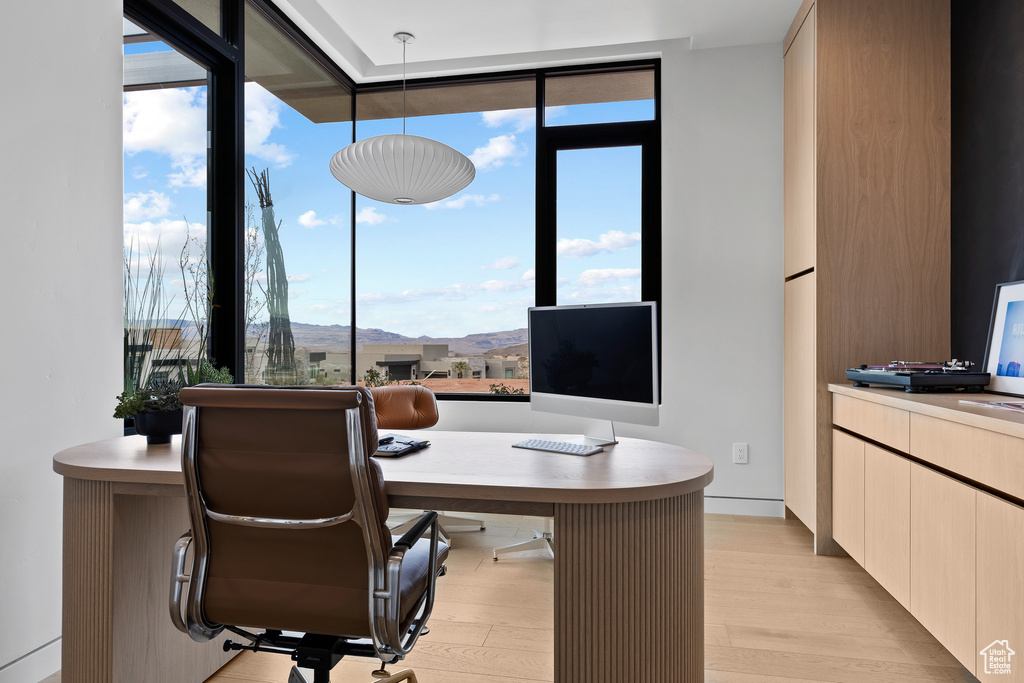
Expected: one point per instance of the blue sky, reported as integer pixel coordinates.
(460, 266)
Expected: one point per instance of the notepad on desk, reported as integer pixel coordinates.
(394, 445)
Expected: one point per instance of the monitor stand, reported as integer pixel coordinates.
(600, 433)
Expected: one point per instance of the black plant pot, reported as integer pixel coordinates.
(158, 427)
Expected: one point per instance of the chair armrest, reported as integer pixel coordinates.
(178, 578)
(401, 642)
(414, 534)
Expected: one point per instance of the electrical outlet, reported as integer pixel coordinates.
(740, 453)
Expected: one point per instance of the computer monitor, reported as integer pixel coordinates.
(597, 361)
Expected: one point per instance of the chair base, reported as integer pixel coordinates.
(443, 534)
(295, 676)
(542, 540)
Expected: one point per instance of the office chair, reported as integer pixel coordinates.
(413, 406)
(543, 539)
(288, 530)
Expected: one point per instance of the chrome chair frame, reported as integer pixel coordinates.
(385, 571)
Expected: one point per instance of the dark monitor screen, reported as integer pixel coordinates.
(602, 351)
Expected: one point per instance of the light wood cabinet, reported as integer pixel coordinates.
(887, 521)
(798, 162)
(942, 553)
(866, 209)
(848, 494)
(943, 530)
(799, 392)
(1000, 583)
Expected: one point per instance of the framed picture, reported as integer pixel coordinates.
(1004, 354)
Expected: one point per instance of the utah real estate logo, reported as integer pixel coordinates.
(997, 657)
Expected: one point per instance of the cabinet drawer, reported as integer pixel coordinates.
(887, 521)
(848, 494)
(942, 553)
(989, 458)
(1000, 589)
(889, 426)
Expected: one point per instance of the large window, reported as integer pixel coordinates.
(166, 112)
(442, 289)
(298, 274)
(565, 207)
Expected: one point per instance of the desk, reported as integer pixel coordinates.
(629, 595)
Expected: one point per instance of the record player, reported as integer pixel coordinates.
(917, 377)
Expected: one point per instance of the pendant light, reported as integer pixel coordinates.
(402, 169)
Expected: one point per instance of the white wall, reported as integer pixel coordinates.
(60, 183)
(722, 275)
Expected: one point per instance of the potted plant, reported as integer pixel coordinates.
(156, 407)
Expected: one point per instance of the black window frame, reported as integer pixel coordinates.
(223, 56)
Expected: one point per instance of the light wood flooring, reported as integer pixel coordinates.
(775, 612)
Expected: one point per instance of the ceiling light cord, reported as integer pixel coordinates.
(404, 43)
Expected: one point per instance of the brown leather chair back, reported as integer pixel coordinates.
(283, 453)
(404, 406)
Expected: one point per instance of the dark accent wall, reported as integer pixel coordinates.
(987, 210)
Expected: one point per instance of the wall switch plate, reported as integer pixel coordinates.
(740, 453)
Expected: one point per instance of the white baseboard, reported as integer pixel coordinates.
(33, 667)
(755, 507)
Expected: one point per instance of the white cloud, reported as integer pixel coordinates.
(309, 220)
(171, 122)
(496, 152)
(554, 113)
(457, 292)
(301, 277)
(503, 285)
(522, 119)
(143, 206)
(613, 240)
(461, 202)
(139, 173)
(368, 215)
(531, 274)
(598, 276)
(504, 263)
(262, 116)
(170, 233)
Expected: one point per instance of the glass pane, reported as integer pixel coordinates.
(206, 11)
(599, 98)
(165, 214)
(288, 73)
(443, 289)
(598, 218)
(298, 217)
(495, 97)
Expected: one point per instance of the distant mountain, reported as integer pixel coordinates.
(517, 350)
(335, 338)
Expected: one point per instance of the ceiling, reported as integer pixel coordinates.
(454, 36)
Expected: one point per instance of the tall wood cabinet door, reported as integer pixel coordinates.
(887, 521)
(798, 165)
(1000, 588)
(848, 494)
(799, 399)
(942, 553)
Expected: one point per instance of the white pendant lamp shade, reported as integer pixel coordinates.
(402, 169)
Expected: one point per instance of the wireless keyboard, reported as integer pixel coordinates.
(558, 447)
